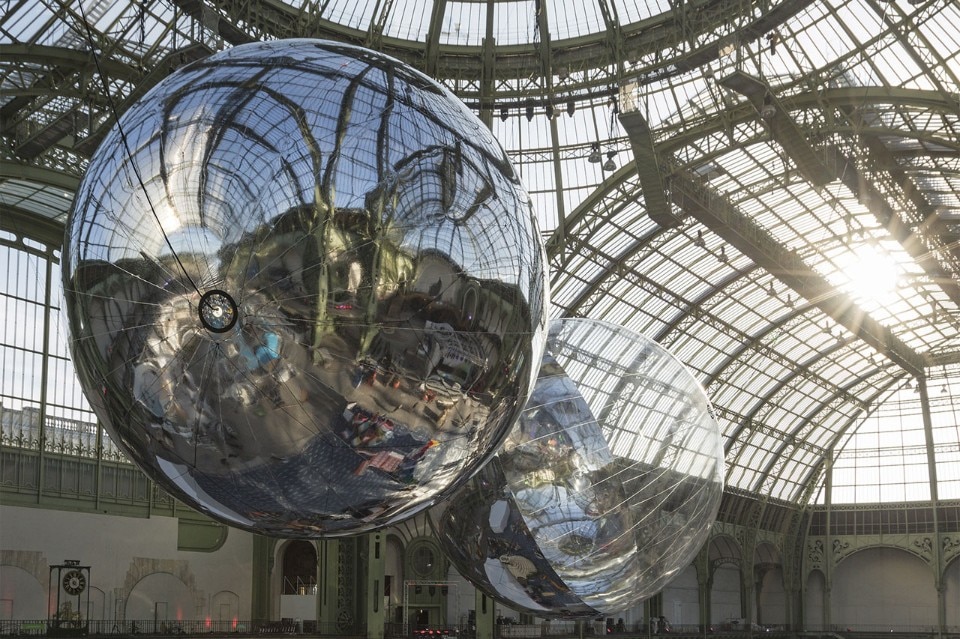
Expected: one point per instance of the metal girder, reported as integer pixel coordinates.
(659, 36)
(825, 165)
(841, 395)
(756, 344)
(69, 60)
(695, 309)
(724, 219)
(913, 49)
(30, 173)
(166, 66)
(945, 359)
(197, 10)
(786, 265)
(838, 97)
(695, 57)
(614, 31)
(27, 224)
(378, 22)
(544, 47)
(931, 255)
(58, 70)
(648, 169)
(749, 425)
(48, 136)
(432, 44)
(783, 129)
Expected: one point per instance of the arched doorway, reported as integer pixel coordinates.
(813, 598)
(159, 603)
(298, 594)
(951, 591)
(681, 600)
(726, 605)
(770, 605)
(299, 568)
(23, 597)
(883, 589)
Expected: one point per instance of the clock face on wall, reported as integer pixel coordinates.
(74, 582)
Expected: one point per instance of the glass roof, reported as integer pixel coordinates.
(783, 215)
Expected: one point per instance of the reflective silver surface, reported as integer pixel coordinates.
(306, 292)
(604, 490)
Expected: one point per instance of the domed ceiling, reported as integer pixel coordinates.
(770, 189)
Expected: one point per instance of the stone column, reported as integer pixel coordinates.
(374, 552)
(485, 616)
(328, 559)
(261, 590)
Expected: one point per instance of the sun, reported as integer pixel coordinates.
(872, 275)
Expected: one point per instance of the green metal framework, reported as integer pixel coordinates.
(756, 151)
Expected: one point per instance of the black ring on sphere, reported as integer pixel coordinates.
(217, 310)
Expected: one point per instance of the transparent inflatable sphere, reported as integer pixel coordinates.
(306, 291)
(604, 490)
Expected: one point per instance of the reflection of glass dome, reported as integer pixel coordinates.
(604, 490)
(792, 369)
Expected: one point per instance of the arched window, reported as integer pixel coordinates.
(299, 568)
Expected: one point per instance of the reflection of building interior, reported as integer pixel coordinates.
(413, 343)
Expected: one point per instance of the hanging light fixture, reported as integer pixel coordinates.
(504, 113)
(549, 111)
(571, 107)
(722, 255)
(772, 292)
(529, 111)
(789, 300)
(700, 242)
(594, 153)
(610, 165)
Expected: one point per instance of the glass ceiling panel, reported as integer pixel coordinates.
(760, 381)
(741, 403)
(795, 474)
(515, 22)
(637, 10)
(582, 18)
(705, 349)
(943, 387)
(408, 21)
(350, 13)
(885, 459)
(461, 24)
(46, 201)
(625, 290)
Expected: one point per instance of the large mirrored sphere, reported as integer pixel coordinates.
(305, 288)
(604, 490)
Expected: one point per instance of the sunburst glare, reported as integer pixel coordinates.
(871, 275)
